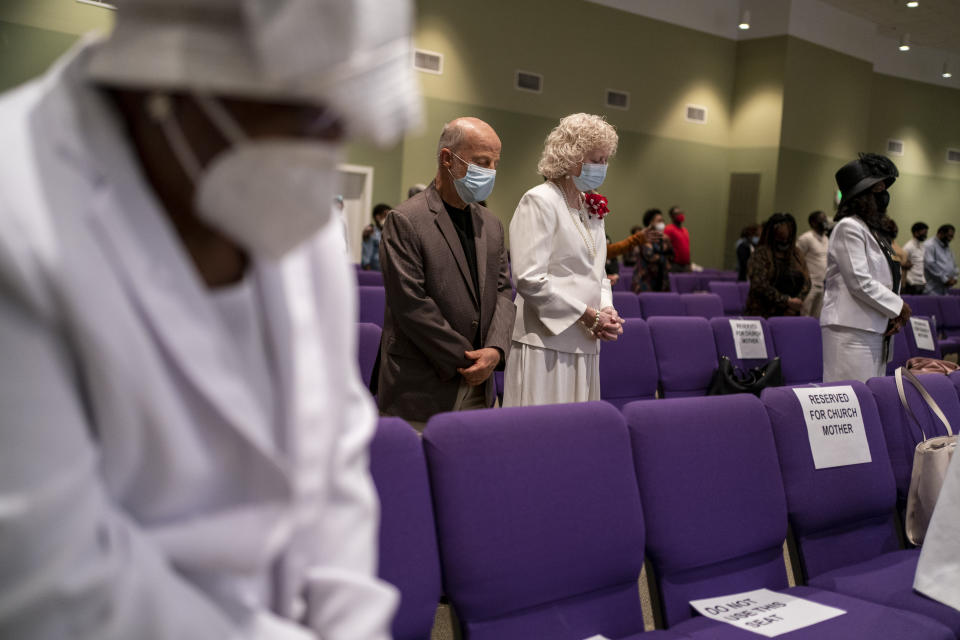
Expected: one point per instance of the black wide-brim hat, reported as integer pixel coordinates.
(858, 175)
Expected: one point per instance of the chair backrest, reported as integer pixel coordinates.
(684, 282)
(729, 293)
(660, 303)
(928, 306)
(909, 333)
(949, 314)
(626, 304)
(799, 343)
(726, 345)
(409, 558)
(901, 432)
(373, 304)
(366, 278)
(539, 521)
(704, 305)
(712, 497)
(840, 515)
(901, 352)
(625, 282)
(744, 289)
(686, 355)
(368, 344)
(628, 365)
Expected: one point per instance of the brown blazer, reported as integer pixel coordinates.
(432, 308)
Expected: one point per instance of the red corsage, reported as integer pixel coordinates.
(597, 205)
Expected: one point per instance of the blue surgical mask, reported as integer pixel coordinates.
(591, 176)
(477, 184)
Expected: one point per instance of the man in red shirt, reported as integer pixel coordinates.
(680, 237)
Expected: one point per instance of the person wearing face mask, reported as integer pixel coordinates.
(778, 276)
(812, 246)
(745, 246)
(862, 308)
(680, 239)
(939, 266)
(656, 252)
(564, 301)
(370, 250)
(184, 449)
(449, 312)
(914, 280)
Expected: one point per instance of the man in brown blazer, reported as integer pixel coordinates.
(449, 312)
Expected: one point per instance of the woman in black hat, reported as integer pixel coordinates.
(862, 307)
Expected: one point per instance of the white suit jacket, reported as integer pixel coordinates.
(141, 493)
(858, 286)
(554, 273)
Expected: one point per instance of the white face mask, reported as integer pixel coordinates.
(267, 195)
(659, 226)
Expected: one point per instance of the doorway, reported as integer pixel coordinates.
(356, 186)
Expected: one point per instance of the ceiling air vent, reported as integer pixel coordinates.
(428, 61)
(528, 81)
(953, 155)
(895, 147)
(696, 113)
(618, 99)
(99, 3)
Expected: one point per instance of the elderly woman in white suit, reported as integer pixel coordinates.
(558, 251)
(862, 307)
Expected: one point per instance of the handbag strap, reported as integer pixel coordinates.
(902, 372)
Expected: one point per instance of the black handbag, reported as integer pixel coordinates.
(728, 379)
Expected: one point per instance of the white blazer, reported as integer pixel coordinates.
(143, 491)
(554, 272)
(857, 292)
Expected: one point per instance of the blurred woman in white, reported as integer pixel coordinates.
(558, 251)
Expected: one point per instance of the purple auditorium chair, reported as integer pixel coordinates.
(723, 336)
(928, 306)
(703, 305)
(625, 283)
(955, 379)
(373, 304)
(744, 289)
(901, 432)
(729, 293)
(798, 342)
(912, 347)
(686, 355)
(901, 352)
(369, 278)
(368, 344)
(684, 282)
(626, 304)
(409, 558)
(716, 518)
(950, 324)
(658, 303)
(843, 517)
(539, 521)
(628, 367)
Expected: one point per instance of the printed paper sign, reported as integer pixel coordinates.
(748, 339)
(765, 612)
(922, 334)
(834, 426)
(598, 637)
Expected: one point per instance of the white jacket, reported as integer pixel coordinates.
(554, 272)
(141, 493)
(858, 286)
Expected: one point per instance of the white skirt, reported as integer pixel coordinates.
(851, 354)
(535, 376)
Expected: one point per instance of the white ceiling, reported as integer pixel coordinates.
(866, 29)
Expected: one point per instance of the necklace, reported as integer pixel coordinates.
(578, 223)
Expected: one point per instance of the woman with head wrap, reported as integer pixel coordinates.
(862, 307)
(778, 276)
(564, 302)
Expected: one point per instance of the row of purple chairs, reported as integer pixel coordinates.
(733, 295)
(536, 521)
(944, 311)
(680, 282)
(905, 346)
(649, 304)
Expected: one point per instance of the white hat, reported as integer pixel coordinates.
(351, 55)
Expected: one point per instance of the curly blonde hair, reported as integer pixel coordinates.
(577, 135)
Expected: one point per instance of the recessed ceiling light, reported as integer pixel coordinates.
(744, 20)
(905, 42)
(946, 73)
(913, 3)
